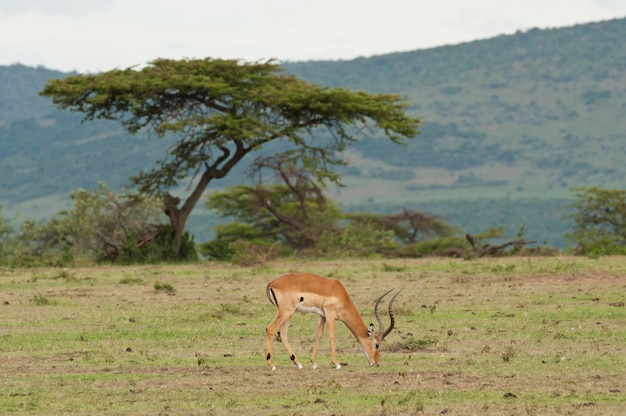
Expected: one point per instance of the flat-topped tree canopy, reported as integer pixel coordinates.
(216, 111)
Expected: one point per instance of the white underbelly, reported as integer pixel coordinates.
(310, 309)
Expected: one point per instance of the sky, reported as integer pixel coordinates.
(91, 36)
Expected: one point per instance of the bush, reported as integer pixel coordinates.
(246, 253)
(159, 249)
(360, 240)
(218, 250)
(599, 221)
(7, 239)
(601, 247)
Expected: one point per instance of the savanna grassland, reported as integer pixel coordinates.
(512, 336)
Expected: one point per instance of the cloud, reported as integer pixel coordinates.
(618, 6)
(72, 8)
(96, 35)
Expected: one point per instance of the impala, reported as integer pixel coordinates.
(310, 293)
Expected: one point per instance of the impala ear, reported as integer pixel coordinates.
(371, 331)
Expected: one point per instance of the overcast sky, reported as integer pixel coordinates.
(99, 35)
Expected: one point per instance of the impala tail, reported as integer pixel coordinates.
(271, 296)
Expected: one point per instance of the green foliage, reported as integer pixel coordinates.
(302, 222)
(525, 115)
(393, 268)
(418, 344)
(221, 110)
(217, 250)
(355, 240)
(543, 219)
(268, 214)
(283, 219)
(7, 239)
(599, 221)
(160, 249)
(164, 287)
(40, 300)
(131, 280)
(42, 243)
(408, 226)
(101, 224)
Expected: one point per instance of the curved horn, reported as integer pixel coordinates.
(381, 326)
(393, 321)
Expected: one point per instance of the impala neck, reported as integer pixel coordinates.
(356, 325)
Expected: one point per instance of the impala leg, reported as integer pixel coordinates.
(281, 321)
(270, 337)
(285, 339)
(271, 329)
(321, 321)
(331, 334)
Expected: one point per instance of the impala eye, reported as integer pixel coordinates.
(377, 346)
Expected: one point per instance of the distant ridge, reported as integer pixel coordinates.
(511, 123)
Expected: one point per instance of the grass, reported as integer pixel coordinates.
(488, 336)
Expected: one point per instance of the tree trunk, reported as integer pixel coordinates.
(177, 220)
(178, 216)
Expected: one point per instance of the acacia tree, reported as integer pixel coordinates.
(217, 111)
(293, 210)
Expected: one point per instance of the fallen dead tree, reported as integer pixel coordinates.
(490, 250)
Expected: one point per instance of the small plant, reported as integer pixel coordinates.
(202, 360)
(41, 300)
(65, 275)
(164, 287)
(418, 344)
(226, 309)
(508, 354)
(131, 281)
(392, 268)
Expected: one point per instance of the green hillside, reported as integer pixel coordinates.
(510, 125)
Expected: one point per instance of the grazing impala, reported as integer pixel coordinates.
(309, 293)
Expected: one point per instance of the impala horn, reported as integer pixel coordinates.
(381, 326)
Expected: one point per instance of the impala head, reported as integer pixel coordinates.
(372, 351)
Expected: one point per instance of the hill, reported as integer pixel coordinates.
(510, 125)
